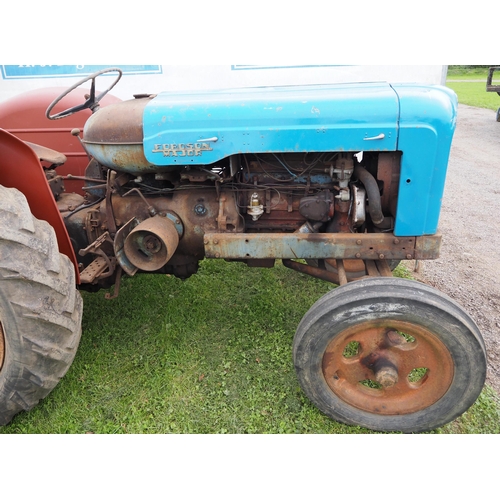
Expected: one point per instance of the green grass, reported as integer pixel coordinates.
(467, 72)
(473, 93)
(211, 354)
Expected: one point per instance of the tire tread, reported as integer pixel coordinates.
(38, 287)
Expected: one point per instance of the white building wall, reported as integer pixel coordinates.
(16, 79)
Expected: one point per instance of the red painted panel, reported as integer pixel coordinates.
(24, 117)
(21, 169)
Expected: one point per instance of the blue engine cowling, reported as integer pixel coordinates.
(153, 134)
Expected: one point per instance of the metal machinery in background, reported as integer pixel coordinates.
(491, 87)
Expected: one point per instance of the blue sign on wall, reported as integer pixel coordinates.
(13, 72)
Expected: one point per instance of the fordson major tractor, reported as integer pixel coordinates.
(340, 182)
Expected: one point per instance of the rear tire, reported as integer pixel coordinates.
(40, 308)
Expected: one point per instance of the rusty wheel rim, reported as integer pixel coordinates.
(388, 367)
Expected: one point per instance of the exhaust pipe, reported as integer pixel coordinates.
(151, 244)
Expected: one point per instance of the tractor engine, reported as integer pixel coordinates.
(172, 176)
(157, 222)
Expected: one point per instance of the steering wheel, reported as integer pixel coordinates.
(92, 101)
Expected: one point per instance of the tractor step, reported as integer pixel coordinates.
(93, 270)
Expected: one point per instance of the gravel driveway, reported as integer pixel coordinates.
(468, 269)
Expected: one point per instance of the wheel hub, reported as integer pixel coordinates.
(388, 367)
(386, 375)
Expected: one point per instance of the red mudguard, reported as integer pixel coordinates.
(21, 169)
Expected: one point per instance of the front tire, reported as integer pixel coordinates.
(40, 308)
(390, 354)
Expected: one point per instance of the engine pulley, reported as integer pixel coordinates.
(152, 243)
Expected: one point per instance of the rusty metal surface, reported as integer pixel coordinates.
(101, 247)
(379, 376)
(151, 244)
(46, 154)
(281, 210)
(389, 166)
(367, 246)
(198, 209)
(341, 272)
(383, 268)
(427, 245)
(316, 272)
(117, 123)
(352, 266)
(92, 271)
(378, 268)
(114, 136)
(371, 268)
(119, 243)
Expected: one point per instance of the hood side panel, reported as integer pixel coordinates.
(202, 128)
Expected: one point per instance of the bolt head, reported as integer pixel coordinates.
(200, 209)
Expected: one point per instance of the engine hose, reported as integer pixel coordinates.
(373, 193)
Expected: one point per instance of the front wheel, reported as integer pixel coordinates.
(390, 354)
(40, 308)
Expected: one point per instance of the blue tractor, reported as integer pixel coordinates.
(340, 182)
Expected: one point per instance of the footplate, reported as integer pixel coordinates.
(93, 270)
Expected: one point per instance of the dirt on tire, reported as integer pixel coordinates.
(468, 269)
(40, 308)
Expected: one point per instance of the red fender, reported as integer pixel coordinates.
(21, 169)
